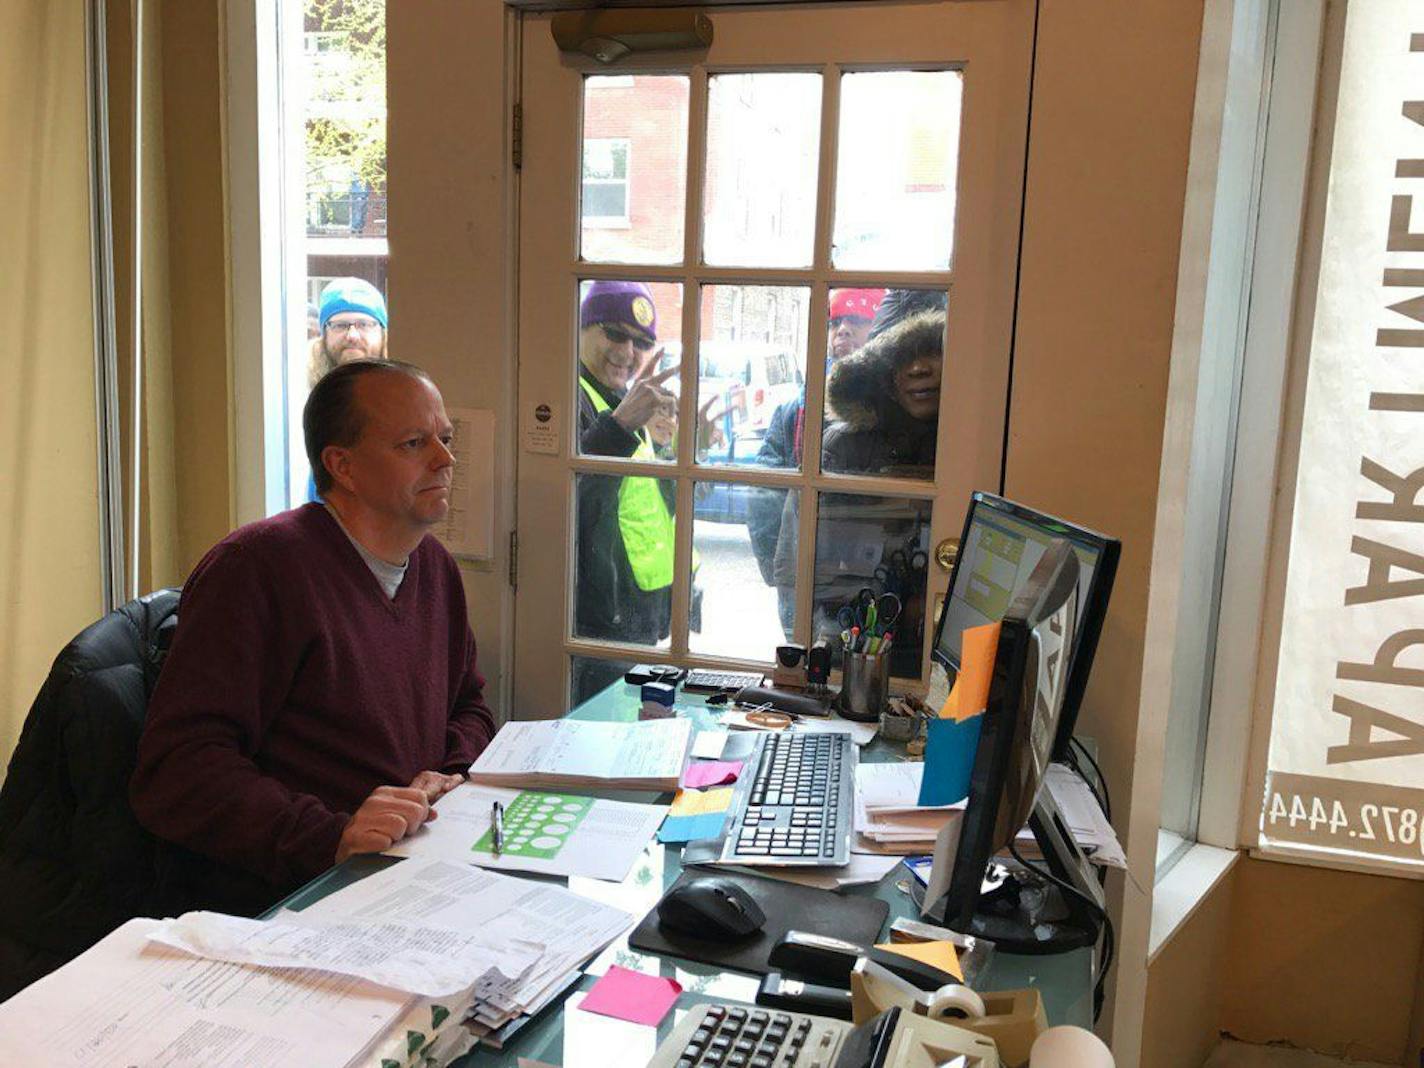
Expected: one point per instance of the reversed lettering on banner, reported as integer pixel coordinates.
(1346, 762)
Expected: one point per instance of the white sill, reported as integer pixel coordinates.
(1182, 889)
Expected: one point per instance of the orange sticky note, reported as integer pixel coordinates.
(942, 955)
(950, 708)
(978, 645)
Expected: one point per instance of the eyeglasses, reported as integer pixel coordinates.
(619, 336)
(364, 326)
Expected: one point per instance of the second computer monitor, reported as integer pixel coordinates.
(1000, 546)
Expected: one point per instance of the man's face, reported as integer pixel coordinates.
(613, 352)
(917, 386)
(353, 336)
(402, 465)
(846, 334)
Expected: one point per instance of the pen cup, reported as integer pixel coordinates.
(865, 684)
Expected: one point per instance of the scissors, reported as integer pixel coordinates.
(887, 611)
(859, 612)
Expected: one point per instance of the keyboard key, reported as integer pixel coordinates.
(745, 1045)
(737, 1060)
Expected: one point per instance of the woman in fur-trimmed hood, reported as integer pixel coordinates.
(886, 397)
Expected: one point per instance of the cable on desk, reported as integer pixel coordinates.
(1109, 943)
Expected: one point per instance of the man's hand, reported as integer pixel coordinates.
(709, 426)
(435, 784)
(646, 398)
(384, 818)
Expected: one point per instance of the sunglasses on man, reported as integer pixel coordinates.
(618, 336)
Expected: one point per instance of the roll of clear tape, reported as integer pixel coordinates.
(955, 1001)
(1069, 1047)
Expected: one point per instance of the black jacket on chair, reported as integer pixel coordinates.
(74, 862)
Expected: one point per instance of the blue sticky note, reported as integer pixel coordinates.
(949, 759)
(692, 828)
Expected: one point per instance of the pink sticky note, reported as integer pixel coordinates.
(711, 772)
(632, 996)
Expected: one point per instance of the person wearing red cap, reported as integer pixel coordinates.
(850, 314)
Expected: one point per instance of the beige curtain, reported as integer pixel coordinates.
(50, 580)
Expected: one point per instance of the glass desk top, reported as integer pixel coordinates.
(562, 1035)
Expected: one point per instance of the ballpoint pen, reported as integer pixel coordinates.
(497, 822)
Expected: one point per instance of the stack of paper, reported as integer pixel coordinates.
(888, 818)
(547, 833)
(130, 1001)
(1083, 815)
(488, 949)
(647, 755)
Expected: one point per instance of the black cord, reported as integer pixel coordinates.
(1109, 942)
(1106, 800)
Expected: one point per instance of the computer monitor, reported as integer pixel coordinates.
(1027, 694)
(1001, 544)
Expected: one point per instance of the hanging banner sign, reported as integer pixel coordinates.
(1345, 773)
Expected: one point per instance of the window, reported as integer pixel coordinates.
(605, 181)
(1213, 299)
(310, 212)
(1340, 776)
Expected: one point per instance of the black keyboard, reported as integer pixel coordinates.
(796, 808)
(730, 1036)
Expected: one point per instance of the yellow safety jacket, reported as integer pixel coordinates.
(643, 517)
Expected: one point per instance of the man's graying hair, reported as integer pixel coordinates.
(332, 416)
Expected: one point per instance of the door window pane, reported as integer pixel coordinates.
(883, 398)
(751, 380)
(896, 166)
(589, 676)
(763, 145)
(626, 360)
(634, 185)
(881, 543)
(623, 558)
(737, 608)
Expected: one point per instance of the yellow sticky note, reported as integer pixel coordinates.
(978, 645)
(700, 802)
(941, 955)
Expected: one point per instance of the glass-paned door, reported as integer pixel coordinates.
(765, 309)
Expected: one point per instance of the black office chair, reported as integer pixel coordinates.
(74, 862)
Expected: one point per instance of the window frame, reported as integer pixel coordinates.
(608, 222)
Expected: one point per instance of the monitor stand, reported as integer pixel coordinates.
(1024, 913)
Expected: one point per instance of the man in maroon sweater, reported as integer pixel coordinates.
(321, 691)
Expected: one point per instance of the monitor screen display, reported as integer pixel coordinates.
(998, 552)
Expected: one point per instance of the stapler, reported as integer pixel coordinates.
(1012, 1019)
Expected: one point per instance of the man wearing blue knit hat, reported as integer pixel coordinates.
(352, 323)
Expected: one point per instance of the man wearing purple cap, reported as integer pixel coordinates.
(625, 524)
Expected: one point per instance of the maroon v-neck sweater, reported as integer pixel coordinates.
(295, 687)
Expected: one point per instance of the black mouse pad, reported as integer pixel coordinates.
(788, 907)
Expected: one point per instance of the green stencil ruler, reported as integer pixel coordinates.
(537, 824)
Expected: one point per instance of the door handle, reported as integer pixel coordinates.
(946, 553)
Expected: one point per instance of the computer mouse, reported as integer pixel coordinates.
(711, 909)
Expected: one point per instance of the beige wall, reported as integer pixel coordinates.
(49, 527)
(1112, 110)
(1185, 989)
(1324, 960)
(450, 306)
